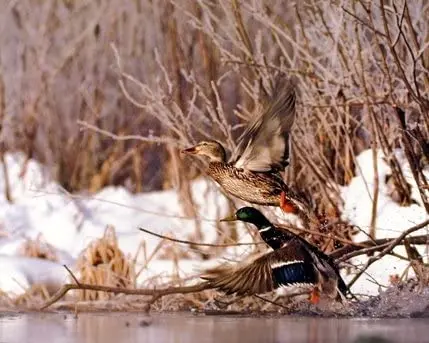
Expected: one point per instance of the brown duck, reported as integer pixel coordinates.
(252, 172)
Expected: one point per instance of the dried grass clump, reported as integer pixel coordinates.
(38, 248)
(103, 263)
(5, 300)
(33, 297)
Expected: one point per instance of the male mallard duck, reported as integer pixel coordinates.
(293, 262)
(252, 172)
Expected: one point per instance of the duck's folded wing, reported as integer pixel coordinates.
(264, 145)
(282, 267)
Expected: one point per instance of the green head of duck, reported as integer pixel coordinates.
(249, 215)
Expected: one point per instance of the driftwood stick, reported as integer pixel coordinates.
(155, 293)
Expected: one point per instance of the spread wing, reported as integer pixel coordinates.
(282, 267)
(264, 145)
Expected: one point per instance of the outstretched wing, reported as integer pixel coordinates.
(264, 145)
(283, 267)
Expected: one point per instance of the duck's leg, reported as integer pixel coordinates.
(286, 205)
(315, 296)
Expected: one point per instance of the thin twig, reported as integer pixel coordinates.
(195, 243)
(150, 139)
(362, 22)
(387, 249)
(270, 301)
(370, 246)
(72, 275)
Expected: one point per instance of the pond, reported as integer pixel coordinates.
(189, 328)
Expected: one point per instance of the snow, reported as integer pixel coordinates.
(392, 219)
(68, 223)
(18, 274)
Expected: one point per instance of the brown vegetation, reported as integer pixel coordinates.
(38, 248)
(183, 70)
(103, 263)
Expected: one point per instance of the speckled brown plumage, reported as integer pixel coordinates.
(256, 188)
(252, 172)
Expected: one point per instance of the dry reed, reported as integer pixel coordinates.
(38, 248)
(103, 263)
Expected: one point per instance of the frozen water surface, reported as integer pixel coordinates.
(180, 327)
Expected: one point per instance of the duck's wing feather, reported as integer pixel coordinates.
(264, 145)
(283, 267)
(325, 264)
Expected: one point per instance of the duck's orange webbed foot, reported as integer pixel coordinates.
(286, 205)
(315, 296)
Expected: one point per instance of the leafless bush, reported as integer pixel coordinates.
(184, 70)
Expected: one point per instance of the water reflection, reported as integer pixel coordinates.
(181, 328)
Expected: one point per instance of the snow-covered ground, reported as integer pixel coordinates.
(392, 219)
(41, 208)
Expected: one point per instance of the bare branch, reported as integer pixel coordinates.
(387, 249)
(196, 243)
(150, 139)
(155, 293)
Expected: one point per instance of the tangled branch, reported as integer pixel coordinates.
(384, 244)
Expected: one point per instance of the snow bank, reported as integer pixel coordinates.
(392, 219)
(70, 222)
(19, 273)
